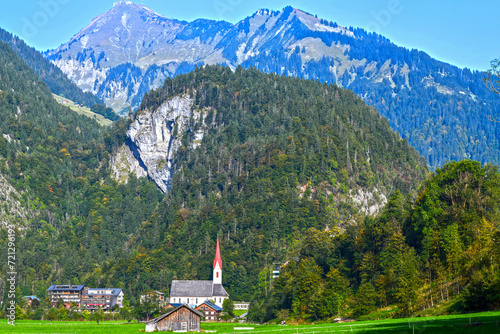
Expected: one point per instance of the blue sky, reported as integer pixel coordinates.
(461, 32)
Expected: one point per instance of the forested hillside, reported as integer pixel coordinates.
(280, 176)
(52, 75)
(58, 162)
(439, 250)
(280, 155)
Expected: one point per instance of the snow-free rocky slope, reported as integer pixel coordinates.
(441, 109)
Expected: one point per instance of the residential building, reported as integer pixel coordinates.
(153, 296)
(106, 298)
(30, 299)
(68, 294)
(210, 310)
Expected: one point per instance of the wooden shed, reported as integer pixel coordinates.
(180, 319)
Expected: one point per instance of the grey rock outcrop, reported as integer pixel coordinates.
(124, 163)
(11, 210)
(154, 137)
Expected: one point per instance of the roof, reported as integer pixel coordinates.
(198, 313)
(61, 287)
(219, 291)
(191, 288)
(204, 289)
(93, 291)
(175, 304)
(211, 305)
(31, 297)
(217, 255)
(153, 292)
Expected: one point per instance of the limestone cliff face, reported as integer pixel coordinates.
(124, 163)
(153, 139)
(11, 210)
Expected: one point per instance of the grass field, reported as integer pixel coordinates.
(237, 313)
(432, 325)
(82, 110)
(69, 327)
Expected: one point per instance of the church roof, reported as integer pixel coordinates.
(184, 288)
(219, 291)
(217, 255)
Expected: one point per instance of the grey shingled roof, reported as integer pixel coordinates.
(196, 289)
(191, 288)
(219, 291)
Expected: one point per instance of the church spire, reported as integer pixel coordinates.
(217, 256)
(217, 265)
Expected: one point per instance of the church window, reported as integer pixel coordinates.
(217, 274)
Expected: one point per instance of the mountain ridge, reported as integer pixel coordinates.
(53, 77)
(433, 104)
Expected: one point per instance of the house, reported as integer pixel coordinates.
(68, 293)
(154, 296)
(195, 292)
(183, 318)
(210, 310)
(30, 299)
(172, 305)
(106, 298)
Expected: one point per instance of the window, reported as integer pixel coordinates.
(217, 274)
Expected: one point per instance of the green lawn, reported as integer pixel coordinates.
(237, 313)
(431, 325)
(69, 327)
(83, 110)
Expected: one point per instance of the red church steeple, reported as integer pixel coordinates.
(217, 259)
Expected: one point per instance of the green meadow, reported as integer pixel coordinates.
(429, 325)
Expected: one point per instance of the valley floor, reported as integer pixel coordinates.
(475, 323)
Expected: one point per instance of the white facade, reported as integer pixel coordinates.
(197, 300)
(217, 274)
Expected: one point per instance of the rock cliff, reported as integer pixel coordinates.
(153, 139)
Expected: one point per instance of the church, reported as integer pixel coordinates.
(196, 292)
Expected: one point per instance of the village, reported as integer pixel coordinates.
(189, 303)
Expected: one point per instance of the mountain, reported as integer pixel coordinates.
(255, 158)
(53, 77)
(277, 167)
(442, 110)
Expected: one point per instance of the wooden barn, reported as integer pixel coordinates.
(180, 319)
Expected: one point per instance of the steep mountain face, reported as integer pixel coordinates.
(12, 210)
(441, 109)
(157, 136)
